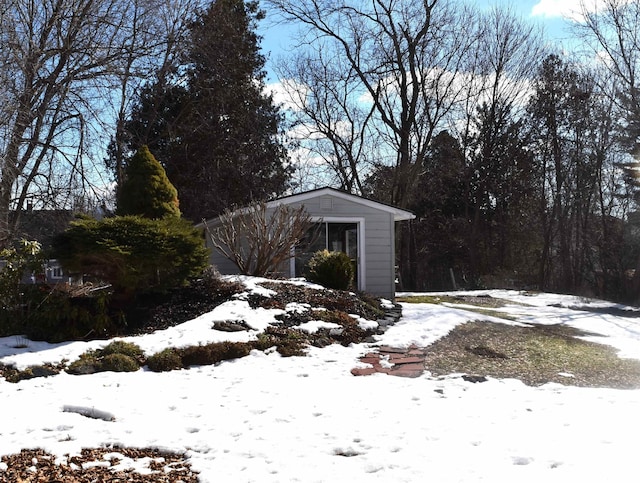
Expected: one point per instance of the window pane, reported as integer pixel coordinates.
(314, 240)
(343, 237)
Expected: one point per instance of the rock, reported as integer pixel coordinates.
(230, 325)
(42, 371)
(474, 379)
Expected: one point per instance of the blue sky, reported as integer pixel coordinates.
(551, 14)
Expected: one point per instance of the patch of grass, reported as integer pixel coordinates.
(425, 299)
(117, 356)
(482, 304)
(491, 313)
(477, 300)
(535, 355)
(165, 360)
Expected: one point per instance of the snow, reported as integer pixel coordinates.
(265, 418)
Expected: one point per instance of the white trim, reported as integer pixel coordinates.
(362, 266)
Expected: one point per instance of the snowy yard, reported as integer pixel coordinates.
(266, 418)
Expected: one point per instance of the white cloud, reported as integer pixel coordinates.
(569, 9)
(284, 90)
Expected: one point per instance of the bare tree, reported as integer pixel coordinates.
(613, 32)
(59, 60)
(400, 61)
(156, 37)
(506, 59)
(257, 239)
(329, 120)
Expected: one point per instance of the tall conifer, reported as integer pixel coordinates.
(213, 126)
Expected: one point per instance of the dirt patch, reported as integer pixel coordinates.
(535, 354)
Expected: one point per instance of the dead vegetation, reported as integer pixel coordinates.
(534, 353)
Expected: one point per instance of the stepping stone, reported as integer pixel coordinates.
(408, 370)
(363, 371)
(391, 350)
(406, 360)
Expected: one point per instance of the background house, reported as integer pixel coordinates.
(363, 229)
(42, 226)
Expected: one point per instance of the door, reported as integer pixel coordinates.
(332, 236)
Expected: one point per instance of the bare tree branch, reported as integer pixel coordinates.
(259, 239)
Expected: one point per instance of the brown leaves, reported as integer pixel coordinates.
(96, 464)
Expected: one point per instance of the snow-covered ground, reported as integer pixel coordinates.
(265, 418)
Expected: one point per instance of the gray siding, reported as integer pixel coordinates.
(222, 263)
(377, 245)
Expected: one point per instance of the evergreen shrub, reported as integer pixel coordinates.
(117, 356)
(23, 258)
(213, 353)
(121, 347)
(330, 269)
(146, 190)
(132, 253)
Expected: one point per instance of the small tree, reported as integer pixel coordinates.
(258, 241)
(146, 190)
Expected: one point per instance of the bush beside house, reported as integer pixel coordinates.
(331, 269)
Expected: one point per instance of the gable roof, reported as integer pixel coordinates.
(398, 213)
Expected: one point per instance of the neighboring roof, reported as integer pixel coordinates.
(43, 225)
(398, 213)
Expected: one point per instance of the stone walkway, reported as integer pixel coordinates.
(408, 362)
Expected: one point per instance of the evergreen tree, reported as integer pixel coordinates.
(213, 127)
(146, 190)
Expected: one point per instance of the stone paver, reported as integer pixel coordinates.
(394, 361)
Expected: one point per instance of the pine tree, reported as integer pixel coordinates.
(213, 126)
(146, 190)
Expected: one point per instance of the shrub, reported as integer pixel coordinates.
(165, 360)
(289, 342)
(55, 316)
(11, 374)
(258, 239)
(19, 260)
(213, 353)
(199, 355)
(133, 253)
(117, 356)
(87, 364)
(331, 269)
(121, 347)
(119, 363)
(264, 342)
